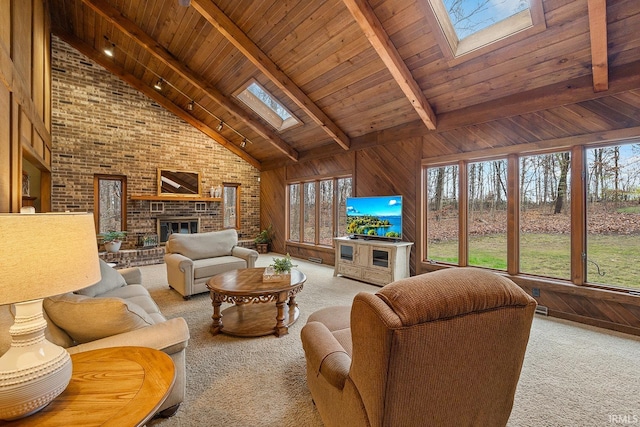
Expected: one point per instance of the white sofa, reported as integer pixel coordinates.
(118, 311)
(192, 259)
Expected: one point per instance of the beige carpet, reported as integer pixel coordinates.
(573, 375)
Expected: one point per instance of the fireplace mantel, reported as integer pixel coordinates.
(176, 199)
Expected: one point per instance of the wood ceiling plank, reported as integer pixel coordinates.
(308, 36)
(301, 14)
(240, 40)
(380, 41)
(567, 92)
(598, 37)
(161, 54)
(364, 66)
(320, 59)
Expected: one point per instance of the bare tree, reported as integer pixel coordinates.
(564, 159)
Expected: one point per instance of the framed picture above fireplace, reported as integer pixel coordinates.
(178, 183)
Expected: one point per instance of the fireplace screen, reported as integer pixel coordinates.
(168, 226)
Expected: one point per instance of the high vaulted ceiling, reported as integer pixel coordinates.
(348, 68)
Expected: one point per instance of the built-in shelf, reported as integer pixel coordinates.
(177, 199)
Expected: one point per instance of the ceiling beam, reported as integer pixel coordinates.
(141, 86)
(598, 35)
(115, 17)
(252, 52)
(379, 39)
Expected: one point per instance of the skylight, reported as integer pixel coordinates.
(468, 25)
(470, 16)
(266, 106)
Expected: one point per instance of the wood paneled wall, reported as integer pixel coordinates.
(25, 99)
(392, 169)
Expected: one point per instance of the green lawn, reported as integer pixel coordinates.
(618, 256)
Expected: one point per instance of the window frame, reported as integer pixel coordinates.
(335, 214)
(513, 29)
(97, 178)
(268, 114)
(578, 188)
(237, 210)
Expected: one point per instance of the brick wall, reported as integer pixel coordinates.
(100, 125)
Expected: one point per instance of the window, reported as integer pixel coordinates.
(545, 215)
(326, 217)
(309, 212)
(487, 217)
(469, 25)
(442, 214)
(317, 210)
(343, 191)
(266, 106)
(294, 212)
(613, 215)
(588, 191)
(231, 205)
(110, 202)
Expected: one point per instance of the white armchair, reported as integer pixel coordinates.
(192, 259)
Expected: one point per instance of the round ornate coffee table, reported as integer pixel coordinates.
(253, 314)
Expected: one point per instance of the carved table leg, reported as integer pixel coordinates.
(281, 329)
(216, 326)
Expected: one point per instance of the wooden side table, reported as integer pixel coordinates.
(119, 386)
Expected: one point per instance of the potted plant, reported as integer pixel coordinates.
(279, 270)
(112, 240)
(263, 239)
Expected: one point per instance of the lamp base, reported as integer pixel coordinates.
(33, 371)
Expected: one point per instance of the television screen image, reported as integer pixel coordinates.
(379, 216)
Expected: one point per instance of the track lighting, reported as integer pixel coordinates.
(109, 50)
(190, 105)
(184, 3)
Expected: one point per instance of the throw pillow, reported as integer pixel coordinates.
(88, 319)
(110, 280)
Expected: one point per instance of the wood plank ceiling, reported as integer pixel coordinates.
(348, 68)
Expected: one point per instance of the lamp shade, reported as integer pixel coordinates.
(46, 254)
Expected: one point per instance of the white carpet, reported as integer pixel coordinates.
(573, 375)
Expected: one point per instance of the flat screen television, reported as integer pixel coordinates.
(375, 217)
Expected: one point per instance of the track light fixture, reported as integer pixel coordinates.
(190, 106)
(243, 143)
(109, 48)
(220, 126)
(184, 3)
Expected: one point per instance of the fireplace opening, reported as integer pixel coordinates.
(183, 225)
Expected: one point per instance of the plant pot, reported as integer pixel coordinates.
(270, 275)
(112, 247)
(262, 248)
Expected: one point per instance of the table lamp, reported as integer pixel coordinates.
(41, 255)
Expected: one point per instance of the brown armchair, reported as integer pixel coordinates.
(438, 349)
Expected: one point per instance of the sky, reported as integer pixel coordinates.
(378, 206)
(490, 12)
